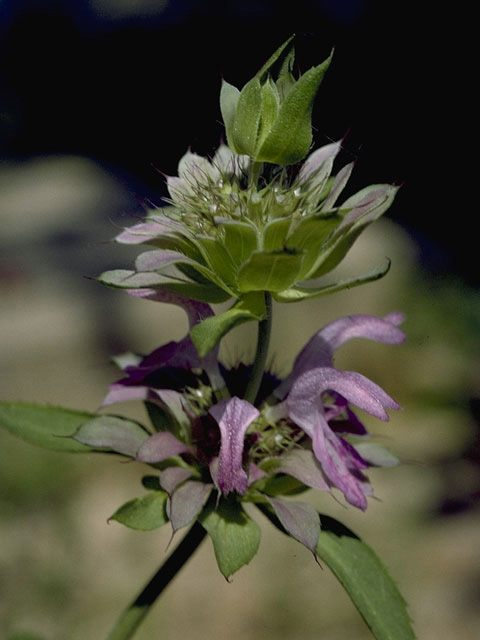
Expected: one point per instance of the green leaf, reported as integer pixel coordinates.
(269, 271)
(291, 136)
(367, 582)
(275, 56)
(310, 235)
(219, 260)
(362, 575)
(347, 232)
(145, 513)
(247, 118)
(270, 106)
(44, 426)
(297, 293)
(228, 104)
(234, 534)
(207, 333)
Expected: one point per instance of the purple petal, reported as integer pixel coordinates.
(339, 464)
(302, 465)
(233, 416)
(186, 502)
(159, 447)
(365, 394)
(382, 330)
(318, 351)
(300, 520)
(255, 473)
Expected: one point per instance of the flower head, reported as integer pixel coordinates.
(304, 432)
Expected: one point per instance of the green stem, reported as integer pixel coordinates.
(263, 340)
(133, 615)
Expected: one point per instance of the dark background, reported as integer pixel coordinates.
(132, 85)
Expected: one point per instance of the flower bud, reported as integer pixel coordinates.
(270, 120)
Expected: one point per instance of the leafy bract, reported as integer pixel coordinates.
(234, 534)
(145, 513)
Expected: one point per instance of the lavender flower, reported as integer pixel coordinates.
(304, 433)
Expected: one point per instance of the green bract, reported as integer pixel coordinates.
(268, 120)
(225, 237)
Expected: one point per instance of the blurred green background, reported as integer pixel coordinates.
(90, 101)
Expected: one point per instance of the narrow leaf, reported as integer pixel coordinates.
(368, 584)
(206, 334)
(44, 426)
(308, 293)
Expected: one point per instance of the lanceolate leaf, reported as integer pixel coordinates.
(308, 293)
(368, 584)
(44, 426)
(363, 576)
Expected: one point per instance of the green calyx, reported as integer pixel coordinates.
(270, 119)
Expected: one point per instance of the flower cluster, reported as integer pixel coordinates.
(302, 433)
(223, 238)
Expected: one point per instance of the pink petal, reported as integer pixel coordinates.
(233, 416)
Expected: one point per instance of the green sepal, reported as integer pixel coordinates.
(270, 271)
(290, 138)
(206, 334)
(126, 279)
(297, 293)
(145, 513)
(235, 536)
(44, 426)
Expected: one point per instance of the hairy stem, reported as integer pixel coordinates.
(133, 615)
(263, 341)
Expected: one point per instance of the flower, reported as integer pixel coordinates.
(302, 434)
